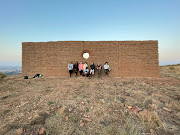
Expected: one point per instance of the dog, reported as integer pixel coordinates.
(37, 75)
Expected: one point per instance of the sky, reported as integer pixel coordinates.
(89, 20)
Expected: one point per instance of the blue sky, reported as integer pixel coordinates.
(56, 20)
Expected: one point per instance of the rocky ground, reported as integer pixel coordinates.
(89, 106)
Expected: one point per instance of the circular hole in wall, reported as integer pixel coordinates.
(86, 55)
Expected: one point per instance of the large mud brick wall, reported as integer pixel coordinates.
(126, 58)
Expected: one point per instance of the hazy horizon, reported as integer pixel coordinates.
(42, 21)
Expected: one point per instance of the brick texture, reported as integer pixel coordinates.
(126, 58)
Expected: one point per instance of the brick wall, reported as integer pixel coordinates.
(126, 58)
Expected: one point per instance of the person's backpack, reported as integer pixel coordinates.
(25, 77)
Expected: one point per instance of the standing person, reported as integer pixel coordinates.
(106, 68)
(92, 69)
(85, 65)
(76, 68)
(81, 68)
(99, 69)
(70, 67)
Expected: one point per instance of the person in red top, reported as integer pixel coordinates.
(81, 68)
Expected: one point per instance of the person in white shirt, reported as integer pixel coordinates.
(106, 68)
(70, 67)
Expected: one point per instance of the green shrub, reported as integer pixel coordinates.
(2, 75)
(4, 97)
(87, 109)
(171, 68)
(50, 102)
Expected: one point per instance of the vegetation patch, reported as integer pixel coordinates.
(171, 68)
(2, 75)
(50, 102)
(4, 97)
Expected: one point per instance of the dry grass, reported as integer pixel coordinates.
(152, 121)
(108, 106)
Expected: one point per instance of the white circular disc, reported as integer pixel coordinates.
(86, 55)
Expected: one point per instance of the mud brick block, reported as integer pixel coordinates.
(126, 58)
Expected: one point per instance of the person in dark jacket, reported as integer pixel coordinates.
(92, 66)
(76, 68)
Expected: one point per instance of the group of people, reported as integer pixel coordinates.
(84, 71)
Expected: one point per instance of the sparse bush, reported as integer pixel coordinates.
(151, 120)
(132, 81)
(48, 90)
(4, 97)
(147, 102)
(125, 82)
(87, 109)
(2, 75)
(50, 102)
(56, 125)
(110, 130)
(84, 96)
(171, 68)
(130, 127)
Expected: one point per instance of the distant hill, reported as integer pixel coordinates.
(11, 70)
(170, 65)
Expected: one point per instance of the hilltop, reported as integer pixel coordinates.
(123, 106)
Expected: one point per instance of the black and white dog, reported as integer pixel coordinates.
(38, 75)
